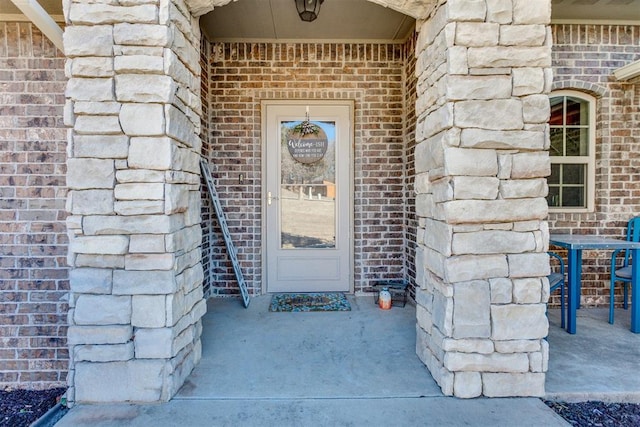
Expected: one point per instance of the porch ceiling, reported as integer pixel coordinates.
(596, 10)
(278, 19)
(363, 19)
(346, 19)
(53, 7)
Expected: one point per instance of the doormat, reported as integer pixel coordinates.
(333, 301)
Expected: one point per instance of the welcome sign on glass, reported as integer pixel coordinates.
(308, 184)
(307, 148)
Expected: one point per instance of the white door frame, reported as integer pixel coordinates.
(350, 185)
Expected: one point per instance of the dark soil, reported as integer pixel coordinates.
(20, 408)
(597, 414)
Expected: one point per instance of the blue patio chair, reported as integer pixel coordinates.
(622, 273)
(556, 281)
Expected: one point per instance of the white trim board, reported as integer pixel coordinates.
(19, 17)
(595, 21)
(627, 72)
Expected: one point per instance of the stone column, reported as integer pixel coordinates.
(483, 76)
(133, 106)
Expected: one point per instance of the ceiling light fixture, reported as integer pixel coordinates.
(308, 9)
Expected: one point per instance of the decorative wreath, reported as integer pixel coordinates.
(306, 128)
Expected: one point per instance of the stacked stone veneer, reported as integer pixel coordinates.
(483, 77)
(584, 58)
(33, 241)
(133, 101)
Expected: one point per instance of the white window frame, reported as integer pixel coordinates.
(589, 161)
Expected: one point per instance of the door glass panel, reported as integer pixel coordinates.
(307, 184)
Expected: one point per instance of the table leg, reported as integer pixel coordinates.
(579, 264)
(574, 256)
(635, 292)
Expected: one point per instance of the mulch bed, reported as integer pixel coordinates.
(20, 408)
(597, 414)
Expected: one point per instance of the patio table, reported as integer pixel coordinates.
(575, 244)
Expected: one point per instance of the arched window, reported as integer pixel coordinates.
(572, 152)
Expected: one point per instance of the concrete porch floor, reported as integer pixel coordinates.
(360, 368)
(355, 368)
(600, 362)
(370, 353)
(254, 353)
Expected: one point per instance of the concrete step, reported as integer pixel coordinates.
(428, 411)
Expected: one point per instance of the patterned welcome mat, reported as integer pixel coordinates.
(333, 301)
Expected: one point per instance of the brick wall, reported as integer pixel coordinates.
(33, 241)
(584, 58)
(410, 219)
(210, 234)
(242, 74)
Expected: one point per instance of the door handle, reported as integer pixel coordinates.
(270, 198)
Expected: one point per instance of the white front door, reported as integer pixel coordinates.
(307, 189)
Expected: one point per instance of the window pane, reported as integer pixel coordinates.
(577, 112)
(308, 189)
(573, 197)
(556, 111)
(569, 134)
(577, 142)
(553, 198)
(573, 174)
(555, 174)
(555, 134)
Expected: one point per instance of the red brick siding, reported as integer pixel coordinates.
(33, 240)
(242, 74)
(410, 219)
(209, 232)
(584, 58)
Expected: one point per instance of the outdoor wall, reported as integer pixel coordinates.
(374, 76)
(134, 105)
(410, 218)
(477, 177)
(584, 58)
(481, 160)
(33, 240)
(211, 234)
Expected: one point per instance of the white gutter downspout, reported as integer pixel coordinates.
(42, 20)
(627, 72)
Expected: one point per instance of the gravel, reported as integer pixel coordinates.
(20, 408)
(597, 414)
